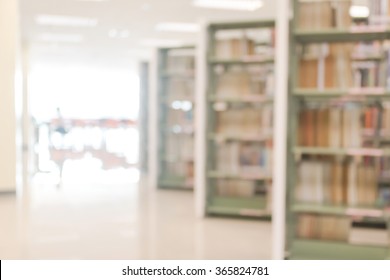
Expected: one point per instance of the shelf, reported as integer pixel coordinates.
(242, 99)
(179, 75)
(338, 35)
(242, 25)
(224, 137)
(331, 250)
(241, 206)
(372, 212)
(177, 183)
(242, 176)
(243, 61)
(342, 151)
(351, 94)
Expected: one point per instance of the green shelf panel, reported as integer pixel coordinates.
(242, 206)
(242, 176)
(243, 61)
(342, 151)
(242, 99)
(336, 35)
(242, 25)
(179, 75)
(175, 182)
(221, 137)
(374, 212)
(329, 250)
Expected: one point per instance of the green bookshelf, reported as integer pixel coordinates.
(240, 59)
(176, 77)
(309, 212)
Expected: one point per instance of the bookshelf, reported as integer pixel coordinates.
(238, 129)
(175, 99)
(338, 155)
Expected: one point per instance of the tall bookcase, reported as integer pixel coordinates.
(175, 97)
(338, 144)
(238, 113)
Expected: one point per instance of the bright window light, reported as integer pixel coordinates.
(359, 11)
(177, 27)
(243, 5)
(57, 20)
(61, 38)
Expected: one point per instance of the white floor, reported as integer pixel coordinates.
(92, 219)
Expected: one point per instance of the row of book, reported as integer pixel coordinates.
(180, 61)
(180, 115)
(316, 15)
(179, 88)
(332, 182)
(240, 120)
(241, 188)
(251, 160)
(174, 170)
(240, 81)
(341, 127)
(233, 44)
(344, 65)
(179, 147)
(323, 227)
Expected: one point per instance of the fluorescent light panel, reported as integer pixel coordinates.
(61, 38)
(177, 27)
(58, 20)
(242, 5)
(160, 42)
(359, 11)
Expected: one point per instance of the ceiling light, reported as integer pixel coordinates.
(243, 5)
(177, 27)
(160, 43)
(61, 38)
(359, 11)
(57, 20)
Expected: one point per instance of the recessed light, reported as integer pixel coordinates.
(61, 38)
(359, 11)
(177, 27)
(160, 42)
(59, 20)
(243, 5)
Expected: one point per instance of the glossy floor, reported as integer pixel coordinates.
(99, 219)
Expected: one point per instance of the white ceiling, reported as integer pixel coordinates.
(139, 17)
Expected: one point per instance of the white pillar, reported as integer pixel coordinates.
(153, 121)
(200, 122)
(9, 46)
(280, 130)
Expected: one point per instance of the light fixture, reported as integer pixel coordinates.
(243, 5)
(61, 38)
(356, 11)
(58, 20)
(177, 27)
(160, 42)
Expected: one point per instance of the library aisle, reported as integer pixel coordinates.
(121, 221)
